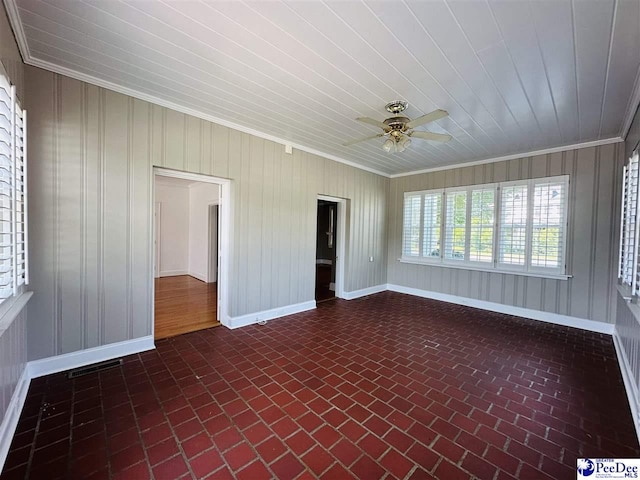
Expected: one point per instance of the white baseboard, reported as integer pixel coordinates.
(202, 278)
(12, 414)
(67, 361)
(629, 383)
(173, 273)
(364, 292)
(251, 318)
(567, 321)
(60, 363)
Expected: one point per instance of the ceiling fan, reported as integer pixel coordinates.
(401, 129)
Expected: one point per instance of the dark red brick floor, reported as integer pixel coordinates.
(389, 386)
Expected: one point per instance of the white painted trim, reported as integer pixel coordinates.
(60, 363)
(18, 31)
(13, 310)
(438, 262)
(251, 318)
(632, 107)
(365, 291)
(16, 24)
(52, 67)
(12, 414)
(202, 278)
(629, 384)
(224, 239)
(174, 273)
(67, 361)
(565, 320)
(546, 151)
(196, 113)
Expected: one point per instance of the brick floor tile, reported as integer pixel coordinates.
(391, 386)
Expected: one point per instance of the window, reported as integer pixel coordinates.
(628, 263)
(455, 238)
(511, 226)
(13, 202)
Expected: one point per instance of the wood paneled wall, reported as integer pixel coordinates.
(592, 241)
(13, 359)
(91, 154)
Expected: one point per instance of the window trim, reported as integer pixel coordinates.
(11, 306)
(632, 239)
(495, 266)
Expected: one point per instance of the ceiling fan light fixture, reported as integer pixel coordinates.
(403, 144)
(388, 145)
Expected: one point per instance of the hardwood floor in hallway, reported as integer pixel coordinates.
(184, 304)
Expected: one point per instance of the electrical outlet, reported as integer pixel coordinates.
(371, 259)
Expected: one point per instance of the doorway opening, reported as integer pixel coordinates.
(189, 270)
(329, 269)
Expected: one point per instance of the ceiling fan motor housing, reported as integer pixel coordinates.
(397, 123)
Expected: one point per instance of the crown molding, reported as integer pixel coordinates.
(23, 46)
(632, 107)
(52, 67)
(564, 148)
(18, 32)
(16, 24)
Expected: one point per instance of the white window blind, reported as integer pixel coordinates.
(431, 229)
(412, 226)
(455, 238)
(548, 226)
(20, 198)
(6, 189)
(628, 260)
(511, 226)
(13, 193)
(481, 226)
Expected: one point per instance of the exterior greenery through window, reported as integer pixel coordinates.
(515, 226)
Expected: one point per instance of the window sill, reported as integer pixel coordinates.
(13, 311)
(480, 268)
(625, 292)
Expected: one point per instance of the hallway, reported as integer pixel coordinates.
(184, 304)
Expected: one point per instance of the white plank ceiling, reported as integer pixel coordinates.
(515, 76)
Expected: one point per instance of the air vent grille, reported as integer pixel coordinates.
(96, 367)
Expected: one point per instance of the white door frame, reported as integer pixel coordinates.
(224, 243)
(157, 245)
(209, 239)
(341, 223)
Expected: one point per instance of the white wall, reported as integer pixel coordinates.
(201, 195)
(174, 227)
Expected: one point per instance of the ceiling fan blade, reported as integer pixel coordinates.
(375, 123)
(371, 137)
(429, 117)
(436, 137)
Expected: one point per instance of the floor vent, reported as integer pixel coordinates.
(96, 367)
